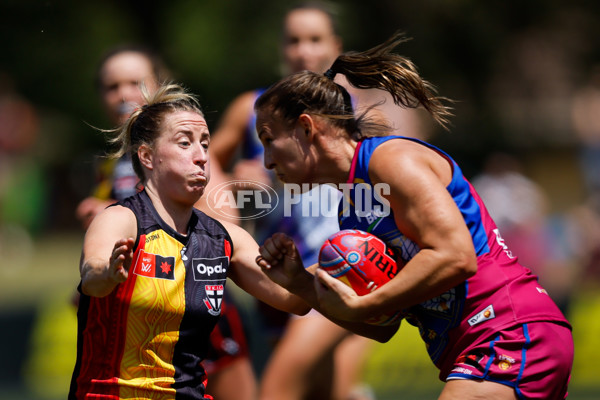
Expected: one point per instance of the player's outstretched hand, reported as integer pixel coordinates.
(280, 260)
(337, 299)
(120, 260)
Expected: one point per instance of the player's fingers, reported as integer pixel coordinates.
(262, 262)
(331, 283)
(273, 249)
(286, 245)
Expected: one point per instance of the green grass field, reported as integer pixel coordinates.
(37, 335)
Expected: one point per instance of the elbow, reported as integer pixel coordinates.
(92, 292)
(300, 309)
(383, 338)
(385, 333)
(95, 290)
(466, 265)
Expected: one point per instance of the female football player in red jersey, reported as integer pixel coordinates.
(154, 268)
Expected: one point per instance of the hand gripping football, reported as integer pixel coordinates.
(363, 262)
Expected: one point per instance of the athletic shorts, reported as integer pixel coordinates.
(534, 358)
(227, 340)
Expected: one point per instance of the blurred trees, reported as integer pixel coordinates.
(510, 65)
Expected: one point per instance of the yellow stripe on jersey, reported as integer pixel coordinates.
(155, 314)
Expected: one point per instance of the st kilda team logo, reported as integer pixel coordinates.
(212, 272)
(213, 299)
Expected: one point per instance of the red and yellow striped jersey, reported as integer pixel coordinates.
(147, 338)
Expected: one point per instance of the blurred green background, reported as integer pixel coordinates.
(515, 69)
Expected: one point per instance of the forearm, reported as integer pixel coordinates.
(426, 276)
(95, 278)
(381, 334)
(304, 287)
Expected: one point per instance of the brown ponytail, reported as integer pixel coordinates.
(379, 68)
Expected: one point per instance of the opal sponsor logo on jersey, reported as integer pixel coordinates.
(210, 268)
(154, 266)
(214, 298)
(486, 314)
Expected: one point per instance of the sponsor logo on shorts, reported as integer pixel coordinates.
(505, 362)
(486, 314)
(461, 370)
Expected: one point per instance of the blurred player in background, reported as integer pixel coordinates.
(313, 356)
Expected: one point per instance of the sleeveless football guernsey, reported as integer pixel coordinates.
(501, 294)
(147, 338)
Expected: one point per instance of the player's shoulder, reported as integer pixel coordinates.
(117, 212)
(115, 218)
(239, 236)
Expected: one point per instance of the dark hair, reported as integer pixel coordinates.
(159, 68)
(145, 123)
(377, 68)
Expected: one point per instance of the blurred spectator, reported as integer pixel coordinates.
(585, 113)
(520, 208)
(313, 357)
(23, 190)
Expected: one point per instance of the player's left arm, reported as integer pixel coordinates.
(425, 212)
(245, 272)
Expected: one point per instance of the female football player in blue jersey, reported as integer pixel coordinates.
(489, 326)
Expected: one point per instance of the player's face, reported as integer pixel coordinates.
(309, 41)
(120, 79)
(287, 150)
(179, 162)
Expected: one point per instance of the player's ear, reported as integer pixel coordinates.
(307, 124)
(145, 154)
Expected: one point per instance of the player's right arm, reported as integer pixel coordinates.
(107, 251)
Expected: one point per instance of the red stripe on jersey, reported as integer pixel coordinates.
(227, 247)
(111, 312)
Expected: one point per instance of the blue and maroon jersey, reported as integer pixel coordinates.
(501, 294)
(148, 337)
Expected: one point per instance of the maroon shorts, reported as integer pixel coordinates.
(534, 358)
(227, 340)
